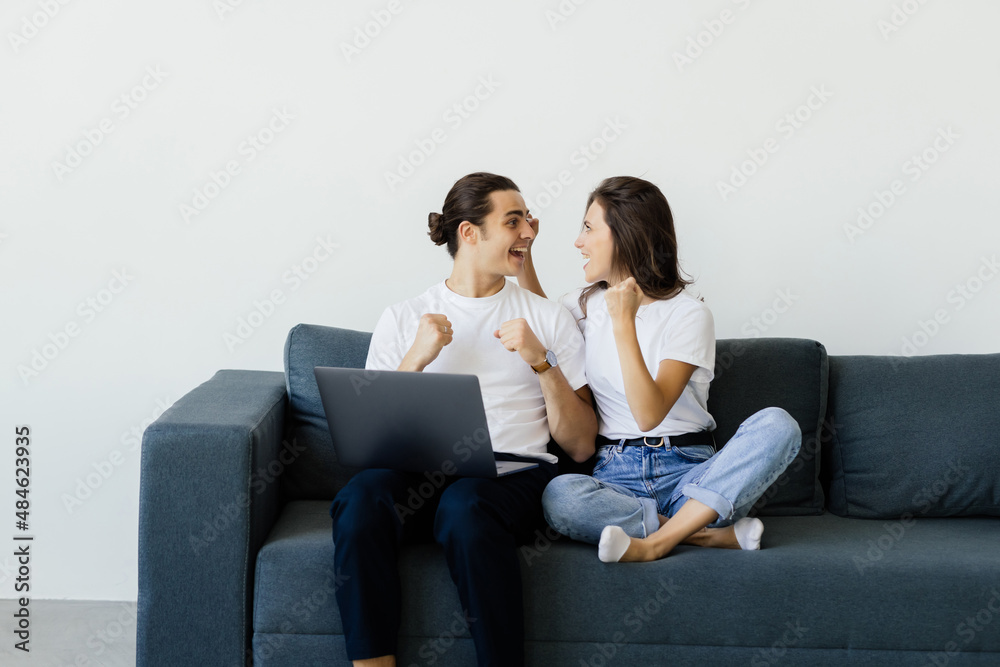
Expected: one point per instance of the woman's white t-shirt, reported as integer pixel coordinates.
(680, 328)
(512, 393)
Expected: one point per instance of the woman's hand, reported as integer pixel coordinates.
(533, 223)
(623, 300)
(527, 278)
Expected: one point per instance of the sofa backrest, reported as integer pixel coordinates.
(917, 436)
(315, 474)
(790, 373)
(750, 375)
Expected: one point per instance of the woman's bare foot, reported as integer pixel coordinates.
(719, 538)
(640, 551)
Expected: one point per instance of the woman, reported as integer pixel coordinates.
(650, 354)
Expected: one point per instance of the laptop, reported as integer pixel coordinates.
(417, 422)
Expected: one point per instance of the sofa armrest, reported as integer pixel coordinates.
(207, 499)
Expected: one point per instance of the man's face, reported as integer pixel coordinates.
(505, 234)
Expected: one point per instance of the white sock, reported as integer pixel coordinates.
(614, 542)
(748, 532)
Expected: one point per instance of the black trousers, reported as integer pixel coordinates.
(479, 522)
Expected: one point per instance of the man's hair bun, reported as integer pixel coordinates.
(435, 221)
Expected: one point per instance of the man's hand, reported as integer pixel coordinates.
(623, 300)
(433, 333)
(517, 336)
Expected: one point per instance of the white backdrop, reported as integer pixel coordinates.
(185, 181)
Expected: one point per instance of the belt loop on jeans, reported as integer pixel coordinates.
(618, 444)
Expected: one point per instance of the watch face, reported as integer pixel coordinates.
(550, 357)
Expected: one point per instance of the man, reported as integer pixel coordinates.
(528, 354)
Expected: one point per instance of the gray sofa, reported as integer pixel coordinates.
(880, 548)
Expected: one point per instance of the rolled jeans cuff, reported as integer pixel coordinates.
(717, 502)
(650, 516)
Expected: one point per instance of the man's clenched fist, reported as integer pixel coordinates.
(517, 336)
(433, 333)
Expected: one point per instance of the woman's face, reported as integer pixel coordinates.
(596, 244)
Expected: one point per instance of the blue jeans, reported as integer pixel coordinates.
(632, 485)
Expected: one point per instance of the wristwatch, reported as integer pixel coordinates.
(550, 362)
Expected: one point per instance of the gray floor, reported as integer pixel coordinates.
(71, 633)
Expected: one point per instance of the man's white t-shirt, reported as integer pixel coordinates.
(512, 395)
(680, 328)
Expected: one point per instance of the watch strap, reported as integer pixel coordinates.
(542, 367)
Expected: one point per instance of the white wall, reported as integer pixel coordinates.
(65, 232)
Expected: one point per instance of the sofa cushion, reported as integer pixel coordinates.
(789, 373)
(316, 473)
(914, 435)
(819, 583)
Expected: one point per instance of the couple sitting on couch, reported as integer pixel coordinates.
(633, 341)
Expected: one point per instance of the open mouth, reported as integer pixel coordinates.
(518, 252)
